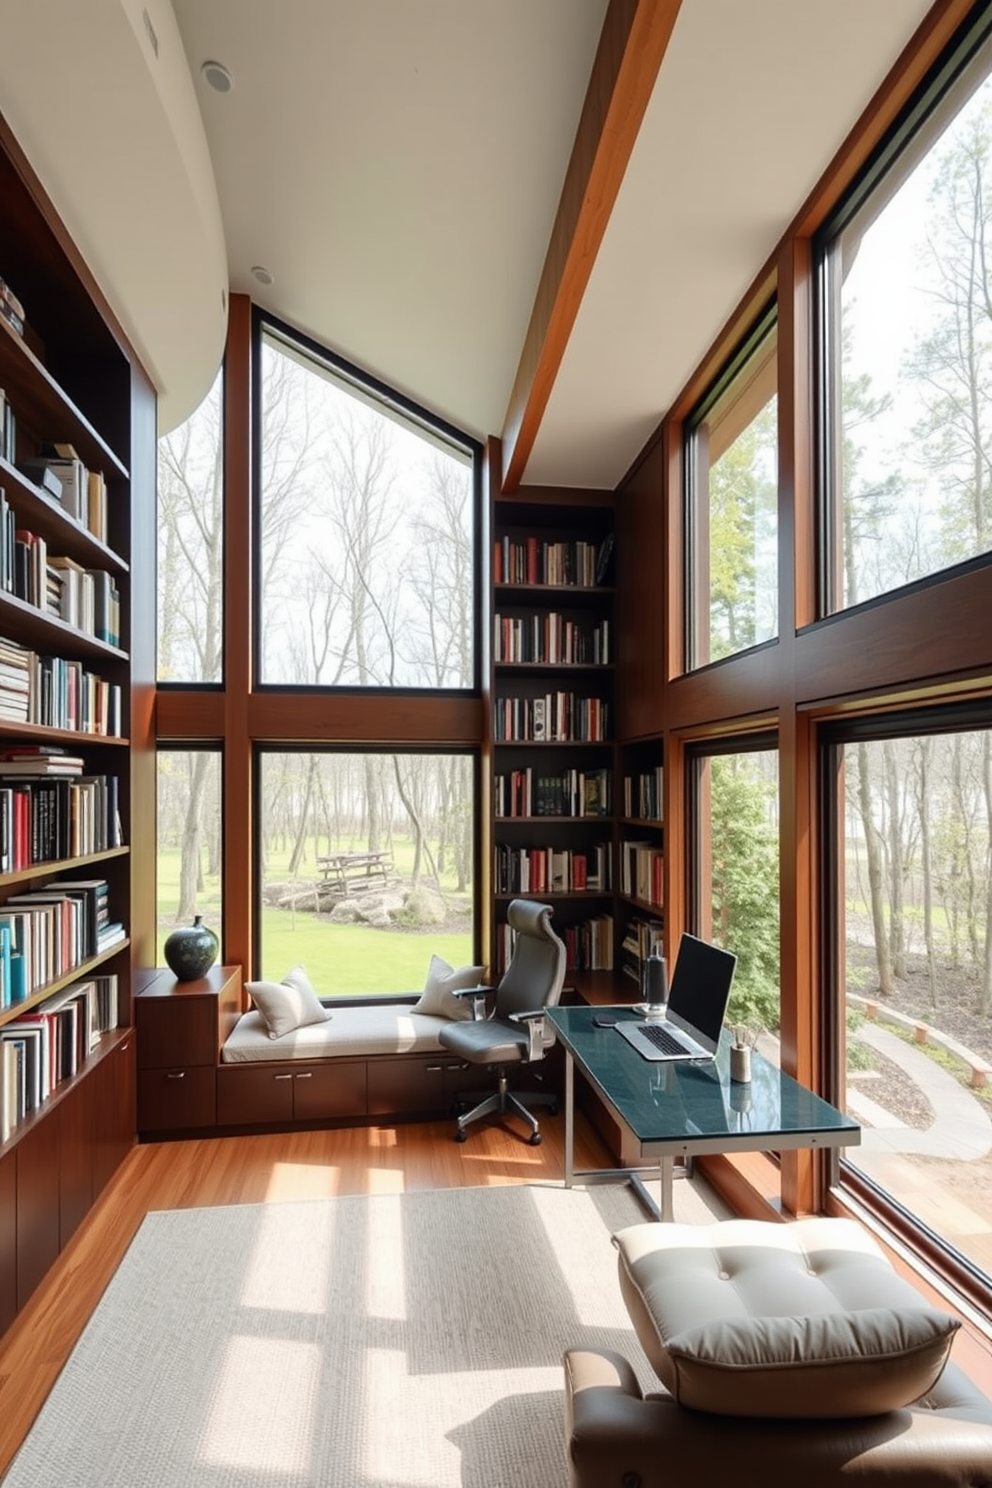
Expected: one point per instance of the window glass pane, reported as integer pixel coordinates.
(737, 839)
(189, 840)
(908, 288)
(366, 867)
(916, 977)
(367, 532)
(732, 525)
(190, 545)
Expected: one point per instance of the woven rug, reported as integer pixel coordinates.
(400, 1341)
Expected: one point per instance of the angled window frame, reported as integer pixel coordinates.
(418, 420)
(965, 63)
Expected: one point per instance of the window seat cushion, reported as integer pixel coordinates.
(352, 1032)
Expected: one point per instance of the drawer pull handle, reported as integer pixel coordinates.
(176, 1075)
(305, 1075)
(282, 1077)
(433, 1069)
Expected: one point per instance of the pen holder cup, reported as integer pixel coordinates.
(740, 1063)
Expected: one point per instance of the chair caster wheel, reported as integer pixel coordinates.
(535, 1139)
(461, 1136)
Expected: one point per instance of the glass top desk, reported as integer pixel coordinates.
(686, 1109)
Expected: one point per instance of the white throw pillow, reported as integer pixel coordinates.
(438, 997)
(289, 1004)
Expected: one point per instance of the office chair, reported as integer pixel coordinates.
(515, 1031)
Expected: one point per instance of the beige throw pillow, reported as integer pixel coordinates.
(438, 997)
(289, 1004)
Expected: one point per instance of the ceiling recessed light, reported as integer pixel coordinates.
(263, 275)
(218, 76)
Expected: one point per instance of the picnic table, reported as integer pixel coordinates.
(350, 870)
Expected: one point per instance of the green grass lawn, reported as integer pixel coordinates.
(341, 960)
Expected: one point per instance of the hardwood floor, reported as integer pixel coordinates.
(247, 1170)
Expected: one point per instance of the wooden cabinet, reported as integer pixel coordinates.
(276, 1094)
(553, 716)
(416, 1085)
(180, 1028)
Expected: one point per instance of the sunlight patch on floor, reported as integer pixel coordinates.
(278, 1439)
(302, 1180)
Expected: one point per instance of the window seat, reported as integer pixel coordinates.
(350, 1032)
(366, 1063)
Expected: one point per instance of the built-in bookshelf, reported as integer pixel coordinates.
(70, 392)
(640, 857)
(553, 717)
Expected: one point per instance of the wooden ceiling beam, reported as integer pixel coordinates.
(633, 42)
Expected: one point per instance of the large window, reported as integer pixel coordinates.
(189, 865)
(367, 867)
(907, 344)
(731, 522)
(913, 955)
(366, 533)
(735, 879)
(190, 545)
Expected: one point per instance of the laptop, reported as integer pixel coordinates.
(697, 1006)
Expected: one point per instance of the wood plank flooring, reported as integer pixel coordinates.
(248, 1170)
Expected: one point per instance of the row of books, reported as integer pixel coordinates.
(552, 870)
(551, 639)
(56, 693)
(576, 793)
(642, 872)
(11, 308)
(530, 560)
(62, 476)
(643, 795)
(557, 715)
(641, 937)
(49, 1043)
(49, 820)
(85, 598)
(588, 945)
(46, 933)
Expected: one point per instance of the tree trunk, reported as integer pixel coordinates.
(873, 849)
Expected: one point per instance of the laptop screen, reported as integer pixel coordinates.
(700, 988)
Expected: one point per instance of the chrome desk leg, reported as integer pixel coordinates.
(667, 1189)
(569, 1119)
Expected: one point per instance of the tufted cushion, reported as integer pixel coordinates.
(748, 1318)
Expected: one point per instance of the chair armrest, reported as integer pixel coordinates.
(478, 996)
(535, 1031)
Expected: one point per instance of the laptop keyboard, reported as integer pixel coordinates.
(662, 1039)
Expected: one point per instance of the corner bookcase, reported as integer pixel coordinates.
(71, 395)
(553, 697)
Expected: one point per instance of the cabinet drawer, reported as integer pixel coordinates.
(330, 1090)
(176, 1032)
(173, 1099)
(413, 1084)
(254, 1096)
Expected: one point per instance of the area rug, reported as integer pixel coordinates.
(400, 1341)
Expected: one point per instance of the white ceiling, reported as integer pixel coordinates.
(397, 165)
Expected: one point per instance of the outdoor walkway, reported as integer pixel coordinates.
(962, 1128)
(961, 1132)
